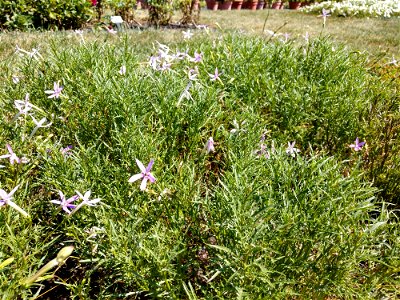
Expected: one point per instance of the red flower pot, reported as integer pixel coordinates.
(237, 5)
(276, 5)
(294, 5)
(226, 5)
(212, 4)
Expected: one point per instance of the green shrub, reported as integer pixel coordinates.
(23, 14)
(226, 224)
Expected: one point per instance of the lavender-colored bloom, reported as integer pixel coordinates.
(324, 15)
(153, 61)
(66, 151)
(13, 157)
(165, 66)
(357, 145)
(145, 174)
(263, 152)
(197, 57)
(291, 150)
(66, 203)
(286, 37)
(23, 106)
(181, 55)
(6, 199)
(122, 71)
(55, 93)
(215, 76)
(209, 147)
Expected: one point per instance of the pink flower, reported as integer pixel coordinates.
(145, 174)
(214, 76)
(13, 157)
(357, 145)
(55, 93)
(66, 203)
(210, 145)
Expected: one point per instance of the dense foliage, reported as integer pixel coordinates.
(23, 14)
(234, 212)
(358, 8)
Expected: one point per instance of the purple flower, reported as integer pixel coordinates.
(324, 15)
(13, 157)
(197, 57)
(291, 150)
(209, 147)
(263, 152)
(6, 197)
(66, 151)
(357, 145)
(215, 76)
(66, 203)
(55, 93)
(145, 174)
(153, 61)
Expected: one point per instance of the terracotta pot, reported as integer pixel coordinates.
(237, 5)
(276, 5)
(253, 4)
(212, 4)
(226, 5)
(294, 5)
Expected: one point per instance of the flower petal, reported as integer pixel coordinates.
(151, 177)
(135, 177)
(143, 184)
(141, 166)
(150, 165)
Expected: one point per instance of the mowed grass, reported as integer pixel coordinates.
(249, 220)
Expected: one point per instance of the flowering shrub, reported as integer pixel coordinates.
(204, 185)
(358, 8)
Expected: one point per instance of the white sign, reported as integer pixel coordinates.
(116, 19)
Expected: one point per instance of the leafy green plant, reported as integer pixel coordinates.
(123, 8)
(229, 209)
(23, 14)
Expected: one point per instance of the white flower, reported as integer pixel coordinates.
(187, 34)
